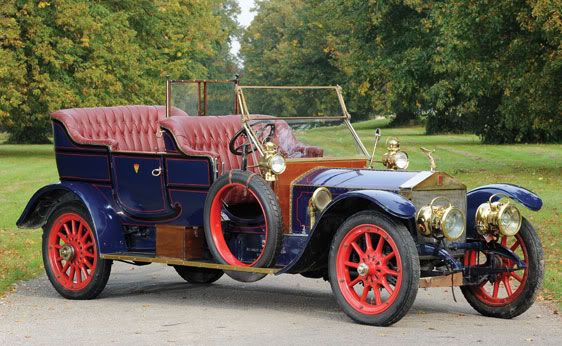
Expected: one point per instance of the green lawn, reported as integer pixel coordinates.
(24, 169)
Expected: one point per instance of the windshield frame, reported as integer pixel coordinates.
(247, 117)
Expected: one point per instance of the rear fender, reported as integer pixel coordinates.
(106, 222)
(314, 252)
(476, 197)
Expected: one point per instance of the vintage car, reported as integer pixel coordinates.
(243, 194)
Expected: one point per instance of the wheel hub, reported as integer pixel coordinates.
(363, 269)
(66, 252)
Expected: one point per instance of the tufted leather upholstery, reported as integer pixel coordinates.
(210, 135)
(122, 128)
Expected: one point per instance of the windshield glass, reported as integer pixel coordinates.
(314, 117)
(203, 97)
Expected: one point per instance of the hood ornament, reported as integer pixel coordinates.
(429, 155)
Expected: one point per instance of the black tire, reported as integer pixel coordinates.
(270, 205)
(397, 241)
(97, 278)
(520, 301)
(195, 275)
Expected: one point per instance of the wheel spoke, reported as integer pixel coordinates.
(85, 271)
(87, 254)
(515, 245)
(366, 290)
(351, 264)
(65, 267)
(387, 286)
(388, 257)
(71, 273)
(496, 289)
(88, 245)
(88, 264)
(73, 223)
(357, 249)
(78, 274)
(390, 272)
(63, 237)
(507, 285)
(368, 241)
(516, 276)
(84, 231)
(67, 230)
(354, 282)
(380, 244)
(377, 294)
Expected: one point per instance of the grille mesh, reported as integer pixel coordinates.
(457, 198)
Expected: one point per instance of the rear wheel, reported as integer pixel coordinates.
(71, 255)
(374, 269)
(508, 294)
(195, 275)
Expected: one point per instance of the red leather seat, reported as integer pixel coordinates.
(210, 135)
(122, 128)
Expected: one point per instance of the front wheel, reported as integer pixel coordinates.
(374, 269)
(509, 294)
(70, 253)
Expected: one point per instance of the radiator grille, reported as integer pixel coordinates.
(457, 198)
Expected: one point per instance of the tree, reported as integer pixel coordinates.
(489, 67)
(81, 53)
(501, 63)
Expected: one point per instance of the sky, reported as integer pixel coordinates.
(245, 18)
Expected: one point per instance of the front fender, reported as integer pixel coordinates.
(390, 202)
(106, 222)
(347, 204)
(479, 195)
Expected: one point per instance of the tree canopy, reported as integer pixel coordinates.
(79, 53)
(488, 67)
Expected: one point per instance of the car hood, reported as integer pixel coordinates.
(365, 179)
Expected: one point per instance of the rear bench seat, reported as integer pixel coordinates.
(121, 128)
(134, 129)
(210, 135)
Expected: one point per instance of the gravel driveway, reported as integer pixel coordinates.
(152, 305)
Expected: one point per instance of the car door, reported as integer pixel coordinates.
(138, 183)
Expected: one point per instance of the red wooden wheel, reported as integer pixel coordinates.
(369, 269)
(501, 289)
(509, 294)
(72, 251)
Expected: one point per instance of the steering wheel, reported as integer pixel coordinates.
(247, 147)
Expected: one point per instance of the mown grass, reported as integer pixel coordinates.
(25, 168)
(537, 167)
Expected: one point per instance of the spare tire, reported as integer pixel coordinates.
(243, 225)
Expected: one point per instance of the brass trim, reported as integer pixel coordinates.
(180, 262)
(326, 158)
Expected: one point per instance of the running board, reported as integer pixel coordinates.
(149, 258)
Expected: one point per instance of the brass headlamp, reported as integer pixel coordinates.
(438, 221)
(271, 163)
(498, 217)
(394, 158)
